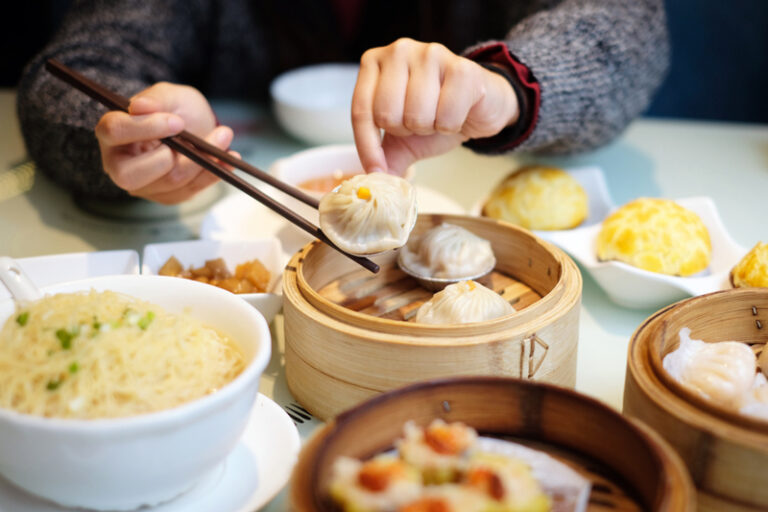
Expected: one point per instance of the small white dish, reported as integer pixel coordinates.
(253, 473)
(313, 103)
(195, 253)
(630, 286)
(58, 268)
(239, 217)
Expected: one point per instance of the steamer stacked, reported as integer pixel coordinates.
(350, 334)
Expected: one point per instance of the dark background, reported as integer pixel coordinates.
(719, 65)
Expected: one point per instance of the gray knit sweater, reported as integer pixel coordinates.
(597, 61)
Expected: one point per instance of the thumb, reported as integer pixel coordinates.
(157, 98)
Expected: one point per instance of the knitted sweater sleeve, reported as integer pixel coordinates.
(124, 45)
(597, 62)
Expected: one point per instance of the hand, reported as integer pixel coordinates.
(136, 160)
(427, 100)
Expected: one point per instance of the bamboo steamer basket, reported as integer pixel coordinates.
(726, 453)
(630, 467)
(349, 334)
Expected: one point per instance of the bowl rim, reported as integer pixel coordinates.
(708, 414)
(163, 418)
(278, 94)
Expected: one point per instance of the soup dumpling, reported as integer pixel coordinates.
(448, 252)
(369, 213)
(461, 303)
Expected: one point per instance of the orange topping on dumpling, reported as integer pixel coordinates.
(447, 439)
(364, 193)
(427, 505)
(486, 481)
(376, 475)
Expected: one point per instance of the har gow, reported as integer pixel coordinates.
(369, 213)
(462, 303)
(448, 252)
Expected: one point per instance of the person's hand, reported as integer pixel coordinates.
(427, 100)
(136, 160)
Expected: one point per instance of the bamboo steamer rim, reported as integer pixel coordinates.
(675, 398)
(662, 453)
(564, 292)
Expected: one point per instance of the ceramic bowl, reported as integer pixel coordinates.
(143, 460)
(234, 252)
(313, 103)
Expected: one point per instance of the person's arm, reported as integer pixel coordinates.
(596, 64)
(124, 45)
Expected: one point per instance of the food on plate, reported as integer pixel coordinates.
(369, 213)
(105, 355)
(752, 270)
(443, 467)
(461, 303)
(538, 197)
(324, 184)
(657, 235)
(249, 277)
(447, 251)
(725, 372)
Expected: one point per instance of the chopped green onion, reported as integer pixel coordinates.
(53, 385)
(96, 325)
(74, 367)
(22, 318)
(65, 337)
(146, 320)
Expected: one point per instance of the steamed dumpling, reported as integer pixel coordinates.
(369, 213)
(722, 372)
(448, 252)
(462, 303)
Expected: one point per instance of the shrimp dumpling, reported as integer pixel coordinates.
(462, 303)
(369, 213)
(722, 372)
(383, 483)
(448, 252)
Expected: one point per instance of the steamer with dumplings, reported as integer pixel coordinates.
(726, 452)
(350, 335)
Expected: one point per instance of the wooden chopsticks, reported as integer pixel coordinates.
(195, 149)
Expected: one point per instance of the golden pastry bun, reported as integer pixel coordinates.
(752, 270)
(657, 235)
(537, 197)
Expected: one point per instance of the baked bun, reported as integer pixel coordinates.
(657, 235)
(537, 197)
(752, 270)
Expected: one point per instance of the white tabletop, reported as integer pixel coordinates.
(664, 158)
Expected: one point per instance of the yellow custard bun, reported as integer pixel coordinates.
(537, 197)
(657, 235)
(752, 270)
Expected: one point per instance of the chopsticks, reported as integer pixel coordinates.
(195, 149)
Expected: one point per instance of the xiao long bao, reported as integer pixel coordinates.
(369, 213)
(462, 303)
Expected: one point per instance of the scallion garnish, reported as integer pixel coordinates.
(22, 318)
(74, 367)
(65, 337)
(53, 385)
(146, 320)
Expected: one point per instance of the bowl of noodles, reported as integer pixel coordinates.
(123, 391)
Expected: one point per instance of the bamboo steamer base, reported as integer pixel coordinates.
(629, 466)
(350, 334)
(726, 454)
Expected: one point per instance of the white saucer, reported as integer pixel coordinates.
(239, 217)
(253, 474)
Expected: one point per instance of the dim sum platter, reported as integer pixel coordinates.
(630, 286)
(250, 477)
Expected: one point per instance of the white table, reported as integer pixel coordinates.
(664, 158)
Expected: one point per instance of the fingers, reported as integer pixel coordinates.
(134, 172)
(366, 132)
(423, 90)
(457, 95)
(119, 128)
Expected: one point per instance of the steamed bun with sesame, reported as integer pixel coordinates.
(657, 235)
(369, 213)
(752, 270)
(536, 197)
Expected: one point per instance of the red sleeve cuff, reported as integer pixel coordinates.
(527, 89)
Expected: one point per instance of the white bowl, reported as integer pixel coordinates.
(195, 252)
(125, 463)
(313, 103)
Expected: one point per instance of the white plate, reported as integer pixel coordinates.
(630, 286)
(239, 217)
(58, 268)
(195, 252)
(255, 471)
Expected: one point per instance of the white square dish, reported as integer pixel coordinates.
(234, 252)
(58, 268)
